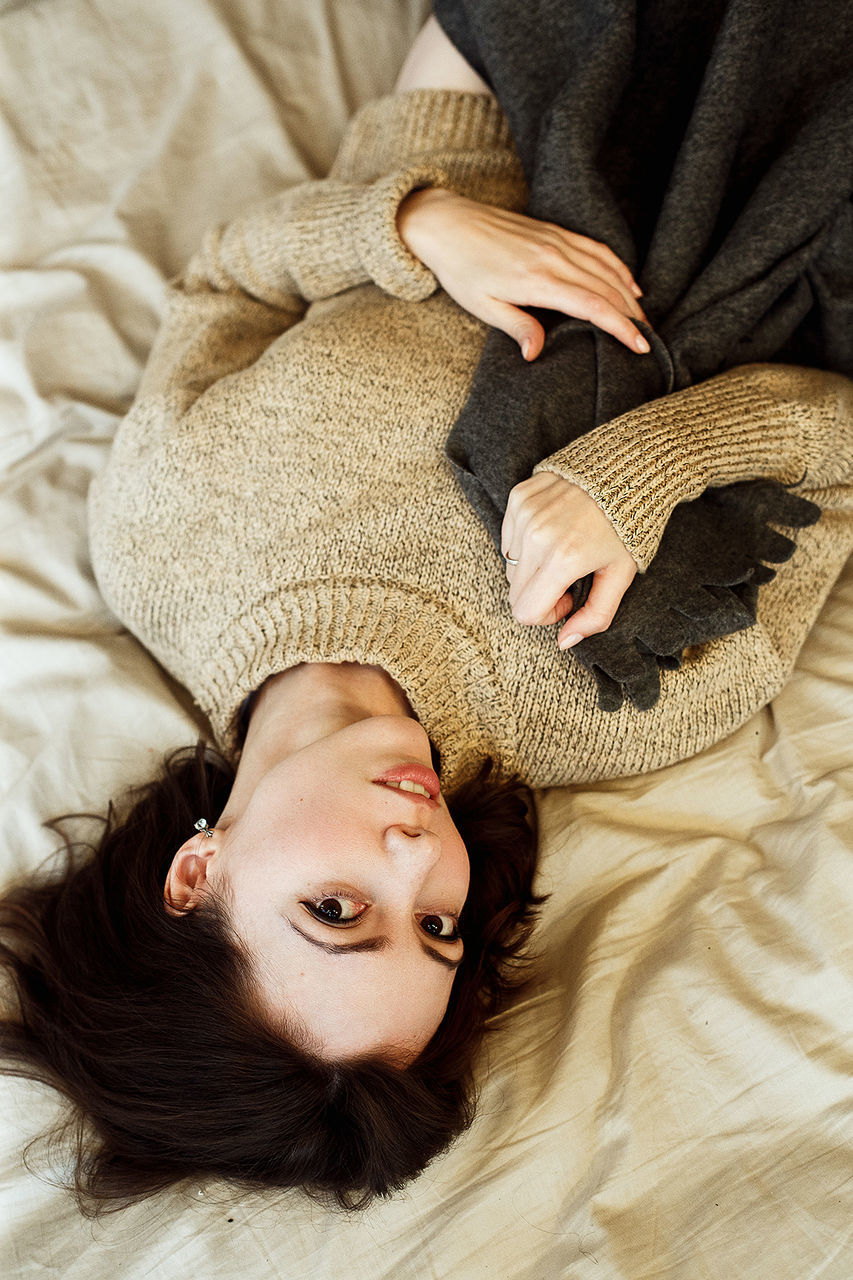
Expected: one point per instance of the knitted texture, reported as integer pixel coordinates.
(278, 493)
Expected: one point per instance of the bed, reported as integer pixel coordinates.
(673, 1097)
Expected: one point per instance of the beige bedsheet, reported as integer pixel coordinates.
(675, 1096)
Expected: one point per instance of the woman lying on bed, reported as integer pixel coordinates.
(280, 975)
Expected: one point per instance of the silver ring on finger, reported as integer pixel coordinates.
(510, 560)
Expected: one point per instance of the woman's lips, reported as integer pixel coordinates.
(420, 774)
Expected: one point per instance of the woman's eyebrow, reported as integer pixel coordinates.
(371, 944)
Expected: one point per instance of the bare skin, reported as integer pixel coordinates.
(311, 853)
(434, 63)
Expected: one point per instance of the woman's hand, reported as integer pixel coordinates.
(558, 535)
(493, 263)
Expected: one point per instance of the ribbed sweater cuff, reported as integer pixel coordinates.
(385, 258)
(338, 235)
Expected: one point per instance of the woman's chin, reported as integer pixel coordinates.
(397, 733)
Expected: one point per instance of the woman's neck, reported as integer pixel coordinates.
(300, 706)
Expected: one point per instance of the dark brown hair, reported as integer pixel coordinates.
(147, 1022)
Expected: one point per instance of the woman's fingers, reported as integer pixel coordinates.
(601, 310)
(612, 260)
(560, 610)
(571, 245)
(543, 597)
(583, 304)
(517, 505)
(608, 587)
(536, 590)
(555, 270)
(578, 265)
(524, 328)
(572, 285)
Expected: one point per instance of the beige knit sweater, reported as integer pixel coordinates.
(278, 493)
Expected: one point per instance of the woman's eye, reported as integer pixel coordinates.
(439, 926)
(336, 909)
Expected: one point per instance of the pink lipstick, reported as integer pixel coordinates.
(418, 774)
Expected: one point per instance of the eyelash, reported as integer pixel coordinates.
(313, 907)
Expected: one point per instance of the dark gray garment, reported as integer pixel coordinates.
(711, 146)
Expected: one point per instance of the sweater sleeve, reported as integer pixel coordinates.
(254, 278)
(790, 424)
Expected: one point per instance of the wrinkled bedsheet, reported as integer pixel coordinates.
(674, 1096)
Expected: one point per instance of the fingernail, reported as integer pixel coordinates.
(636, 290)
(525, 348)
(641, 344)
(568, 641)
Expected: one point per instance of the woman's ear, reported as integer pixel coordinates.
(187, 876)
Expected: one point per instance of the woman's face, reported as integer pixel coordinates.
(347, 890)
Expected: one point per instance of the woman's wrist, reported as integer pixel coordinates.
(416, 220)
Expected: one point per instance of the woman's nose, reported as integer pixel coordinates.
(415, 850)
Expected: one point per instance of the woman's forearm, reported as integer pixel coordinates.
(781, 422)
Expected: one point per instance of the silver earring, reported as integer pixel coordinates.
(202, 826)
